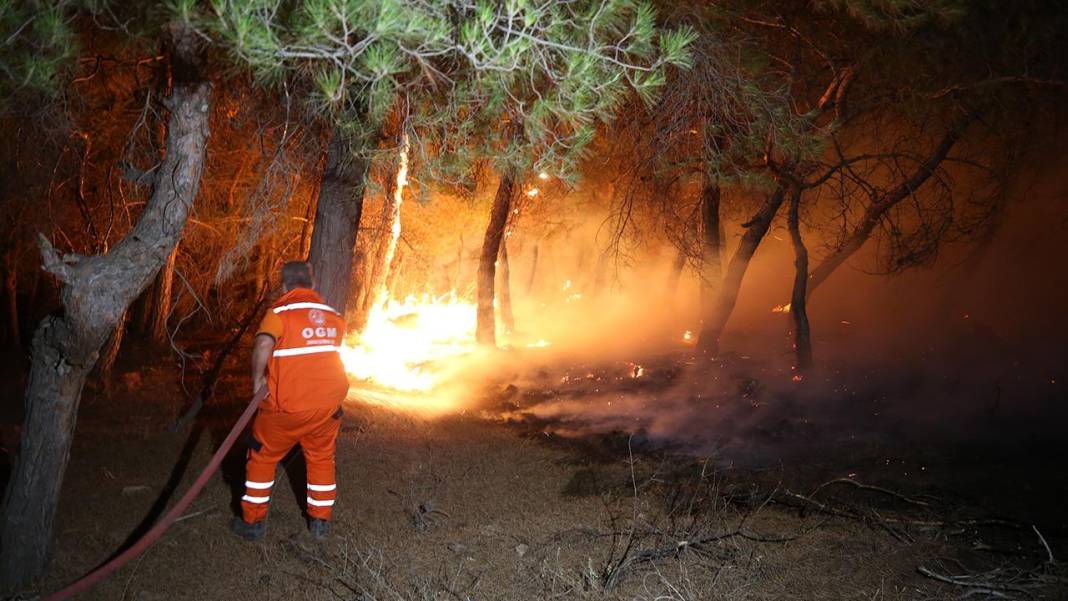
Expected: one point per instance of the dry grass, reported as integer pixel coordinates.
(461, 508)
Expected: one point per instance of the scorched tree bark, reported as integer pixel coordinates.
(337, 219)
(798, 310)
(755, 229)
(96, 291)
(485, 323)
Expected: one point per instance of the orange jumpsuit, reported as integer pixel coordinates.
(306, 383)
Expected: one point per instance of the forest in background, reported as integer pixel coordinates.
(610, 164)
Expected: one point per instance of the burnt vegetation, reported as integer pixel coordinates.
(719, 282)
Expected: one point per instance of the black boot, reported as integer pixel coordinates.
(247, 531)
(319, 528)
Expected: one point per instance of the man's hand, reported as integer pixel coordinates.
(262, 348)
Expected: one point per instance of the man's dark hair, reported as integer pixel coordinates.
(297, 274)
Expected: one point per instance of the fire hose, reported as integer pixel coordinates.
(165, 522)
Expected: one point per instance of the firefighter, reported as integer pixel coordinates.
(295, 354)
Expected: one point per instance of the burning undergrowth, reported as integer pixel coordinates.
(604, 369)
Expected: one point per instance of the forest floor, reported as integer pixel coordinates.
(505, 502)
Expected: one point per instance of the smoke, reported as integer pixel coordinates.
(969, 348)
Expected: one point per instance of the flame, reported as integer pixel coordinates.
(413, 347)
(687, 336)
(781, 308)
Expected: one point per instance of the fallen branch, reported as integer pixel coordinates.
(861, 486)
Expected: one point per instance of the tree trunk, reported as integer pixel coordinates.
(309, 211)
(485, 324)
(507, 318)
(377, 291)
(96, 292)
(337, 219)
(711, 249)
(756, 228)
(798, 311)
(875, 212)
(533, 271)
(163, 296)
(11, 291)
(675, 275)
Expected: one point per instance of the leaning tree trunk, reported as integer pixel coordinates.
(756, 228)
(507, 318)
(798, 311)
(337, 219)
(485, 323)
(96, 292)
(711, 249)
(878, 209)
(161, 311)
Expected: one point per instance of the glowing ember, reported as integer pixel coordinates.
(687, 336)
(543, 176)
(532, 192)
(408, 345)
(781, 308)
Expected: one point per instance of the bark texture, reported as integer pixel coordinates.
(96, 292)
(507, 317)
(486, 325)
(798, 310)
(755, 230)
(337, 219)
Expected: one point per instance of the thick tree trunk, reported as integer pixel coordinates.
(756, 229)
(711, 249)
(96, 292)
(485, 324)
(337, 219)
(875, 212)
(309, 211)
(507, 318)
(161, 311)
(798, 311)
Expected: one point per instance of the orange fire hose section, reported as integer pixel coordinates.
(165, 522)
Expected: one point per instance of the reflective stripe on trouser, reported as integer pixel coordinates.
(277, 433)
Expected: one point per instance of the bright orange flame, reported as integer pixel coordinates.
(781, 308)
(413, 348)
